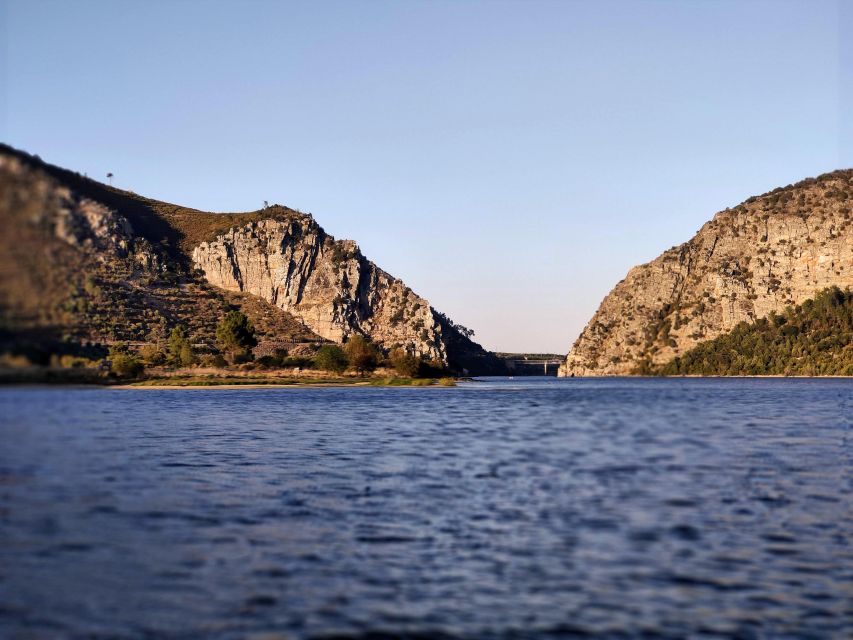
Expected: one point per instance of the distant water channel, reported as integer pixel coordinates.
(526, 508)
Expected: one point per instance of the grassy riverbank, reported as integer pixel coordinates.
(281, 381)
(214, 377)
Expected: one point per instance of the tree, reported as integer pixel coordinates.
(361, 354)
(152, 355)
(180, 350)
(465, 331)
(331, 357)
(125, 365)
(404, 363)
(235, 333)
(110, 178)
(187, 355)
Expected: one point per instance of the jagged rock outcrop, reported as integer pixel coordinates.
(767, 253)
(329, 285)
(78, 221)
(91, 226)
(37, 199)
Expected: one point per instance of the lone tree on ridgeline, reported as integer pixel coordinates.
(361, 354)
(235, 333)
(110, 178)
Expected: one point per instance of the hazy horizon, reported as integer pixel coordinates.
(509, 161)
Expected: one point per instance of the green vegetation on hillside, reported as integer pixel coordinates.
(812, 339)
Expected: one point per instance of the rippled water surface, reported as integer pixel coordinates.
(502, 508)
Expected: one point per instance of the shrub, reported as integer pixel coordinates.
(152, 355)
(268, 362)
(125, 365)
(297, 361)
(435, 368)
(243, 357)
(68, 361)
(404, 363)
(119, 347)
(340, 254)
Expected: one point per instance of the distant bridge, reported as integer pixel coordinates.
(532, 366)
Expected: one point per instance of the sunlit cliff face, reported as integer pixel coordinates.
(770, 252)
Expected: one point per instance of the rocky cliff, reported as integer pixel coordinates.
(769, 252)
(329, 285)
(92, 264)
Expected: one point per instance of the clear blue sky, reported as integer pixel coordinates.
(509, 160)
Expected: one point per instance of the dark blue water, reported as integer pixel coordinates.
(520, 509)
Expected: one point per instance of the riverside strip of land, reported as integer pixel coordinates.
(242, 382)
(214, 377)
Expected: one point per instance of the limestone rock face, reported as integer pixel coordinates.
(771, 251)
(328, 285)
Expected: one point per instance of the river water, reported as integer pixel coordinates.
(526, 508)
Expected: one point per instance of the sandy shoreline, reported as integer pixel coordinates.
(284, 383)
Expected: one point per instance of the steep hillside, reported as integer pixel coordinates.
(763, 255)
(83, 263)
(811, 339)
(76, 278)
